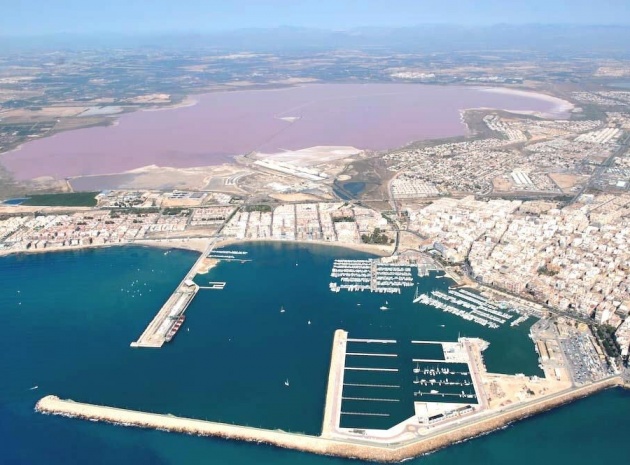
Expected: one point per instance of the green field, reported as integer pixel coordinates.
(73, 199)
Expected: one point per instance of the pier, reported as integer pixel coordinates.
(332, 408)
(170, 317)
(217, 285)
(361, 354)
(376, 341)
(371, 369)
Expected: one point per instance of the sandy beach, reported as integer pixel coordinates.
(197, 245)
(380, 250)
(200, 244)
(562, 107)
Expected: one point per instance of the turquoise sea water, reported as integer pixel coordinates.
(68, 319)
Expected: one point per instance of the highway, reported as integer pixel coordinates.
(599, 171)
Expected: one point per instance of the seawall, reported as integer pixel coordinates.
(318, 445)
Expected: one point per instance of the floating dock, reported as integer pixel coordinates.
(170, 318)
(217, 285)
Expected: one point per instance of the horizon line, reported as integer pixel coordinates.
(304, 28)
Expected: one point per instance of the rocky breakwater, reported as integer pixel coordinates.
(350, 448)
(55, 406)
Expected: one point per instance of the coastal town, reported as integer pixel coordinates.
(487, 260)
(528, 218)
(531, 157)
(572, 259)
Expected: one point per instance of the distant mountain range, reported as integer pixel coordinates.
(423, 38)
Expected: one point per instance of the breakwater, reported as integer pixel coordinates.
(365, 450)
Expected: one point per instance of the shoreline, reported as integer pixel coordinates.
(390, 453)
(381, 251)
(197, 245)
(561, 105)
(172, 244)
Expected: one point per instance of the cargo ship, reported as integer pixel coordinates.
(179, 321)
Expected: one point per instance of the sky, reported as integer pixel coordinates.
(36, 17)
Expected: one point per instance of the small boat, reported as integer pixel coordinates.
(433, 391)
(441, 326)
(416, 381)
(416, 369)
(383, 307)
(309, 322)
(286, 383)
(33, 388)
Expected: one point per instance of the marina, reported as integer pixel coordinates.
(370, 275)
(469, 306)
(381, 390)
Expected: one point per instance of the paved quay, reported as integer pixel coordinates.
(162, 327)
(332, 409)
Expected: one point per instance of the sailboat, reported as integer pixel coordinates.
(286, 383)
(281, 309)
(417, 368)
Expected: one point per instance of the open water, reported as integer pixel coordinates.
(68, 319)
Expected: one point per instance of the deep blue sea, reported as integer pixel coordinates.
(68, 319)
